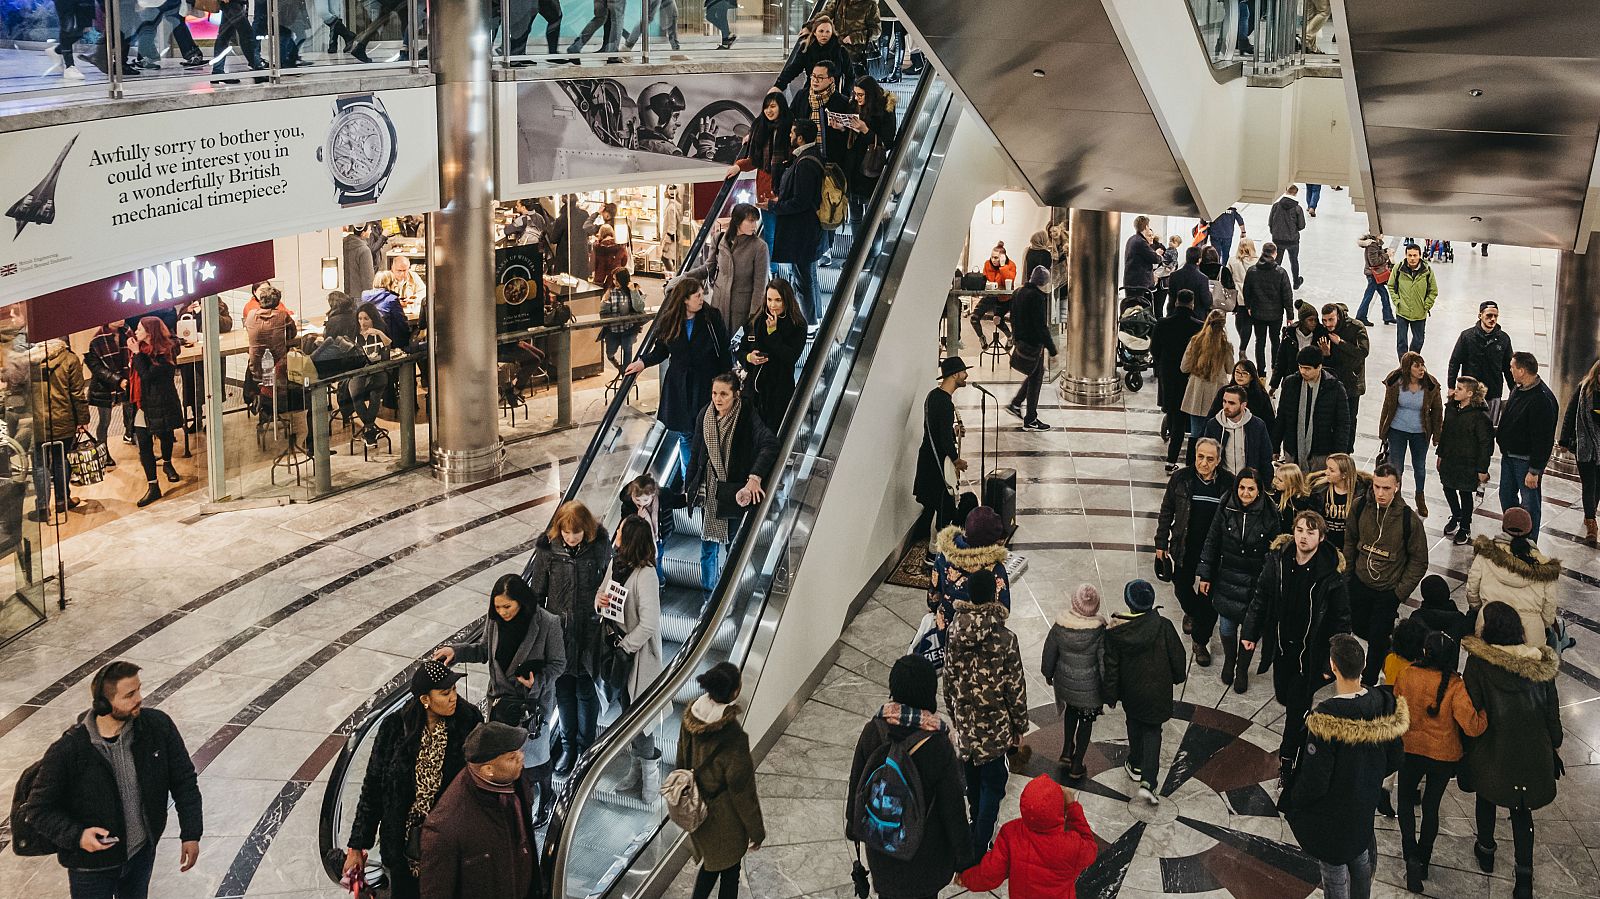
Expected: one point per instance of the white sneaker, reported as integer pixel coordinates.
(72, 73)
(1147, 796)
(1127, 768)
(54, 67)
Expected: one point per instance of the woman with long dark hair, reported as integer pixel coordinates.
(154, 394)
(768, 153)
(636, 642)
(1466, 444)
(523, 645)
(1230, 564)
(1441, 715)
(774, 338)
(694, 336)
(1412, 416)
(738, 267)
(873, 127)
(418, 751)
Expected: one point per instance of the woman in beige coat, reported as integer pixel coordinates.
(1510, 569)
(1208, 361)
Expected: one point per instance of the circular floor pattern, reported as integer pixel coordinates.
(1217, 827)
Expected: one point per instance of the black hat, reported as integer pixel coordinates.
(914, 683)
(1309, 356)
(951, 365)
(1139, 595)
(980, 587)
(1487, 304)
(492, 739)
(432, 675)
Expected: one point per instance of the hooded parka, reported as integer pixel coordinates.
(718, 751)
(1075, 661)
(1528, 588)
(1352, 744)
(1235, 552)
(984, 685)
(1513, 762)
(1042, 852)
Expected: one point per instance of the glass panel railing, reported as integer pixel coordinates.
(601, 837)
(598, 32)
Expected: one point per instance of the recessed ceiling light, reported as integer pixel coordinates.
(1477, 218)
(1108, 189)
(1475, 92)
(1038, 73)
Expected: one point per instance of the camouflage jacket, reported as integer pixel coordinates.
(856, 19)
(983, 682)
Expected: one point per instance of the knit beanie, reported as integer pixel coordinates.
(980, 587)
(983, 527)
(914, 683)
(1039, 277)
(1139, 595)
(1436, 593)
(1086, 601)
(1517, 522)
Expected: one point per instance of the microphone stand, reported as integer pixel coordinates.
(983, 430)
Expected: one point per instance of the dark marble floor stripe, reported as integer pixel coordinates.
(1281, 856)
(1109, 513)
(1103, 879)
(232, 644)
(248, 860)
(1093, 482)
(101, 659)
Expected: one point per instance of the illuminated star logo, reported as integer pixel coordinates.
(207, 271)
(127, 292)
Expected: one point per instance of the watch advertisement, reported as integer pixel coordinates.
(106, 196)
(583, 133)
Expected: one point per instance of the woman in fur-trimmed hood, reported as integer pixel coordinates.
(958, 552)
(1510, 569)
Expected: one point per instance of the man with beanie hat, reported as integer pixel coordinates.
(911, 718)
(939, 453)
(1313, 415)
(1030, 321)
(1144, 660)
(988, 698)
(477, 840)
(958, 552)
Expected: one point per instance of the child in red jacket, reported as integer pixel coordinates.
(1042, 852)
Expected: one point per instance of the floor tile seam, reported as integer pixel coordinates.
(189, 672)
(99, 660)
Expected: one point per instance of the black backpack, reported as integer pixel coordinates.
(890, 811)
(25, 840)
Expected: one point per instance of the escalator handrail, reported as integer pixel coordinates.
(616, 737)
(327, 838)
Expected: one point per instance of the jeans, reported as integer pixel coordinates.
(1352, 880)
(150, 21)
(666, 13)
(1197, 607)
(235, 26)
(1381, 291)
(579, 706)
(619, 347)
(1418, 331)
(1415, 770)
(522, 24)
(1077, 730)
(1313, 194)
(366, 391)
(1589, 474)
(1227, 627)
(769, 233)
(1521, 831)
(1514, 492)
(1028, 393)
(986, 786)
(729, 888)
(685, 448)
(130, 880)
(74, 18)
(721, 13)
(934, 518)
(1247, 26)
(1372, 616)
(1144, 751)
(985, 307)
(1177, 426)
(50, 466)
(710, 564)
(1290, 250)
(1418, 443)
(804, 277)
(1246, 325)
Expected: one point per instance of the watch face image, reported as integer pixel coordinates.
(360, 150)
(515, 291)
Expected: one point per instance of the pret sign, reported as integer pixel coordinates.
(169, 282)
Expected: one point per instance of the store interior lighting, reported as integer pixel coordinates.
(330, 273)
(997, 211)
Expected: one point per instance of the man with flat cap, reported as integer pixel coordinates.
(939, 454)
(477, 842)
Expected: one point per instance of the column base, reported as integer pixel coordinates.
(1091, 391)
(455, 467)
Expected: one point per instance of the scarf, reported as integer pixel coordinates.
(430, 778)
(1303, 424)
(905, 716)
(508, 636)
(709, 710)
(717, 431)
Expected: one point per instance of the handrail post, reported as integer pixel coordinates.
(407, 413)
(644, 28)
(505, 33)
(275, 57)
(412, 36)
(563, 360)
(786, 14)
(321, 438)
(114, 48)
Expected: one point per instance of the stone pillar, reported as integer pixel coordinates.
(1090, 376)
(461, 326)
(1575, 333)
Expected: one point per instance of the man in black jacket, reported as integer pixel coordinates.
(1286, 220)
(940, 446)
(1313, 415)
(797, 235)
(1141, 256)
(1307, 331)
(1192, 499)
(1167, 343)
(1190, 278)
(1269, 298)
(1483, 351)
(101, 791)
(1527, 436)
(1030, 319)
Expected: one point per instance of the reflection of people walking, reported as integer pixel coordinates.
(607, 13)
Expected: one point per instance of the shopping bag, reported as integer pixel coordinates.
(85, 459)
(929, 642)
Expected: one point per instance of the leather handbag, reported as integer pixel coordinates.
(1026, 357)
(876, 159)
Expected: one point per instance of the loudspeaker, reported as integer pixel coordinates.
(1000, 494)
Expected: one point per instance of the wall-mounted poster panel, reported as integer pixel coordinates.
(587, 133)
(107, 196)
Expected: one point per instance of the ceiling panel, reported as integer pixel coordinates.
(1077, 76)
(1476, 27)
(1543, 96)
(1520, 221)
(1065, 21)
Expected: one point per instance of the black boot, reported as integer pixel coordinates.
(547, 796)
(337, 30)
(150, 496)
(564, 757)
(1241, 676)
(1524, 886)
(1386, 805)
(1485, 856)
(1230, 657)
(1414, 875)
(169, 471)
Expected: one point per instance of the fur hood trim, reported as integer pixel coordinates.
(1537, 664)
(1359, 731)
(995, 609)
(1498, 554)
(692, 724)
(1282, 540)
(1075, 622)
(969, 558)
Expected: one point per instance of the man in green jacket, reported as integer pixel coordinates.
(1415, 289)
(1387, 550)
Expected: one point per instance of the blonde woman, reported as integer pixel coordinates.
(1291, 493)
(1238, 267)
(1208, 361)
(1335, 493)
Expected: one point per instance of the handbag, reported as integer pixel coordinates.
(337, 355)
(87, 458)
(876, 159)
(1026, 357)
(728, 498)
(1379, 274)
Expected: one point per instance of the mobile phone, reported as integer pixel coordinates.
(110, 841)
(529, 667)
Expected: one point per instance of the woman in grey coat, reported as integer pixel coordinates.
(568, 570)
(636, 639)
(524, 649)
(739, 268)
(1074, 664)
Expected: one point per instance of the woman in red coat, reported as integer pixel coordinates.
(1042, 852)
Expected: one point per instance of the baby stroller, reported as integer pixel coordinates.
(1136, 322)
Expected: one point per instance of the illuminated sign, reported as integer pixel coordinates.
(159, 285)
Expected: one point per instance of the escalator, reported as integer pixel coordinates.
(600, 842)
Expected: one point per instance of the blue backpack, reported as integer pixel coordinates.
(891, 810)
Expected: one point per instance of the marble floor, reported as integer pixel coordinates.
(1089, 492)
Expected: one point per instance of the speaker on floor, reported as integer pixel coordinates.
(1000, 494)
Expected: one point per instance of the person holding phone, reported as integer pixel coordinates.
(524, 647)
